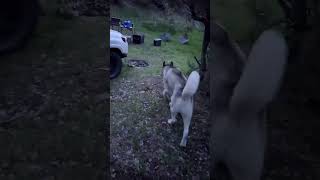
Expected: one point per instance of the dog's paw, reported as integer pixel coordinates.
(183, 143)
(171, 121)
(164, 93)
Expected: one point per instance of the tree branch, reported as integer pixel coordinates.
(197, 61)
(194, 15)
(287, 8)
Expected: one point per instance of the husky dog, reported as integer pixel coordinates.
(180, 91)
(240, 97)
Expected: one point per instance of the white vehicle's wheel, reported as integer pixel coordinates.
(115, 65)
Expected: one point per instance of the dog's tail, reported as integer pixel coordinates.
(261, 76)
(192, 84)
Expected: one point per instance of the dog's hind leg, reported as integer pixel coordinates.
(186, 116)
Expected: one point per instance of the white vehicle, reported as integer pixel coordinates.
(118, 50)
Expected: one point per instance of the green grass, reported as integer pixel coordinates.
(151, 27)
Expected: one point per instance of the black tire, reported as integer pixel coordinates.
(18, 19)
(115, 65)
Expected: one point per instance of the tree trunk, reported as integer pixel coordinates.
(205, 42)
(295, 12)
(206, 36)
(203, 66)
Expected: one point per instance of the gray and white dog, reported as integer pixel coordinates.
(180, 91)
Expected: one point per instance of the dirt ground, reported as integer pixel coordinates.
(143, 144)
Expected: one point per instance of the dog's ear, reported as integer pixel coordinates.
(164, 64)
(171, 64)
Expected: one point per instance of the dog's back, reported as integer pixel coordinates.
(174, 79)
(238, 131)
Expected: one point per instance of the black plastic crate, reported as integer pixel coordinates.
(138, 38)
(157, 42)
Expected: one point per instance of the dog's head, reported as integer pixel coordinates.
(166, 67)
(164, 64)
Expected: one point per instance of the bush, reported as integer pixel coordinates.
(159, 27)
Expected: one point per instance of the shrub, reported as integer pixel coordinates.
(159, 27)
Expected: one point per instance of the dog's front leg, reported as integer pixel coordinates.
(173, 115)
(173, 97)
(165, 92)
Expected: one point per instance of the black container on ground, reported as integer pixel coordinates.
(138, 38)
(157, 42)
